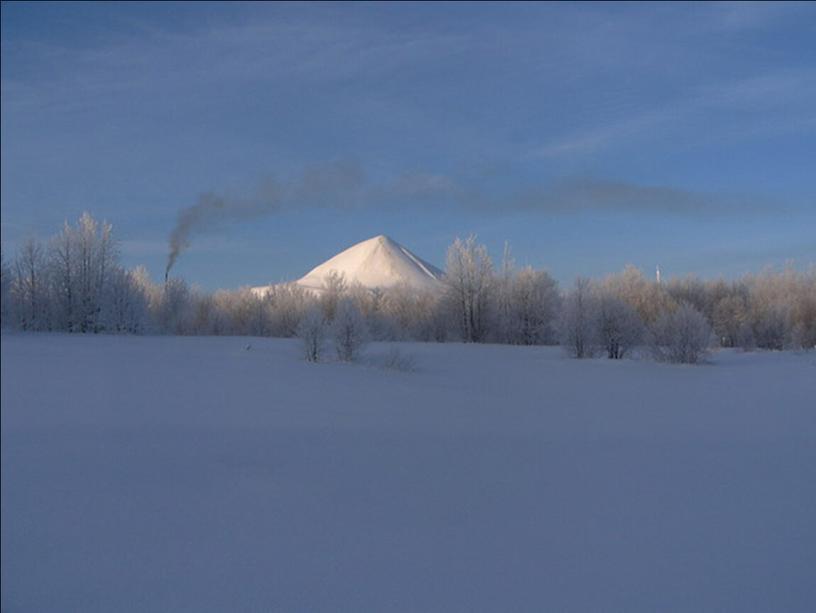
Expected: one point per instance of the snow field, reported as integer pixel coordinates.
(192, 474)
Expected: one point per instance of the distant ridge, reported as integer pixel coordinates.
(377, 263)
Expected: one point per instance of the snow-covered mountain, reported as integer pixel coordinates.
(378, 262)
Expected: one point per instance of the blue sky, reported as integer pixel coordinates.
(589, 136)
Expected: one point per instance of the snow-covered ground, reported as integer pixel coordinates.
(191, 474)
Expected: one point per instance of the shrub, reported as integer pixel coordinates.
(681, 336)
(312, 332)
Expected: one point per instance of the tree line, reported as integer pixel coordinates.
(75, 282)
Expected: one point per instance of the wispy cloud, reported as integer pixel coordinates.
(769, 103)
(221, 57)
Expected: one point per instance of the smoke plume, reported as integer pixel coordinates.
(344, 184)
(337, 183)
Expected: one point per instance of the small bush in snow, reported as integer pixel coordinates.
(312, 331)
(396, 360)
(349, 330)
(681, 336)
(619, 326)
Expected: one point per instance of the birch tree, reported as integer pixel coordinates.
(469, 278)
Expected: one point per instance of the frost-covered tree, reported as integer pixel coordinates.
(371, 304)
(82, 258)
(619, 327)
(5, 288)
(205, 316)
(349, 331)
(469, 279)
(503, 299)
(399, 312)
(334, 289)
(530, 307)
(126, 304)
(174, 308)
(772, 327)
(312, 332)
(242, 312)
(771, 308)
(682, 335)
(691, 290)
(730, 318)
(289, 302)
(409, 313)
(804, 312)
(30, 287)
(647, 297)
(577, 325)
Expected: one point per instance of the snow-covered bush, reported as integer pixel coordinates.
(619, 327)
(681, 336)
(349, 331)
(312, 332)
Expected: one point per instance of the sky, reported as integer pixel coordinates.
(588, 136)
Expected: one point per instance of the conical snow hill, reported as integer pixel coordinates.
(378, 262)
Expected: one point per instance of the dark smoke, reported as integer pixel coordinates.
(334, 184)
(209, 211)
